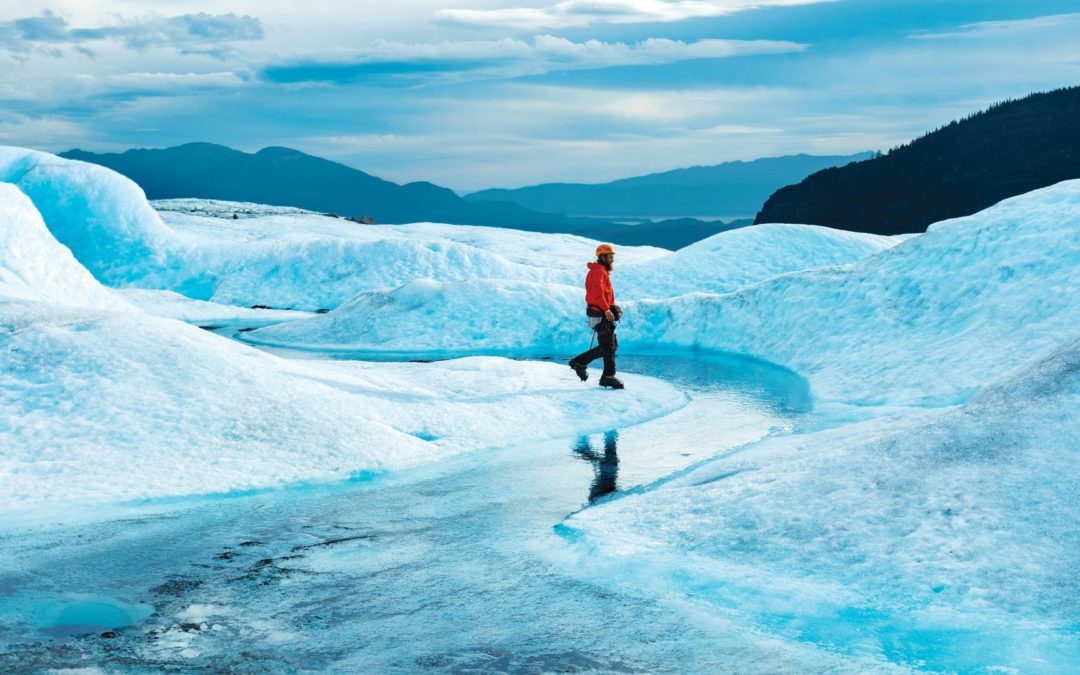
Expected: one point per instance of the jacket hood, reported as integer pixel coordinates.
(594, 266)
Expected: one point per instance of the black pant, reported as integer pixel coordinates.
(608, 345)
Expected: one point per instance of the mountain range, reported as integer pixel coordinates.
(1011, 148)
(731, 189)
(286, 177)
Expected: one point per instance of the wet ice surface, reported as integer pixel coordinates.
(455, 567)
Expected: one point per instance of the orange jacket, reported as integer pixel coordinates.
(598, 291)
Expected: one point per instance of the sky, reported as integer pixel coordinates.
(475, 94)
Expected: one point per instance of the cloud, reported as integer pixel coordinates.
(553, 133)
(188, 33)
(1016, 28)
(40, 131)
(83, 95)
(132, 85)
(47, 27)
(397, 63)
(581, 13)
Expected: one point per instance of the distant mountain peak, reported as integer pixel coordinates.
(194, 146)
(729, 190)
(280, 150)
(281, 176)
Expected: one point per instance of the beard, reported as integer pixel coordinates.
(608, 265)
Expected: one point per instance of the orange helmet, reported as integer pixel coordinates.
(604, 249)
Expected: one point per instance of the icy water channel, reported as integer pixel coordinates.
(455, 567)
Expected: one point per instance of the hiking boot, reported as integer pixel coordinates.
(611, 381)
(580, 369)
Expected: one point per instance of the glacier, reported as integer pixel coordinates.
(943, 537)
(871, 320)
(175, 410)
(928, 322)
(916, 512)
(35, 267)
(105, 402)
(534, 318)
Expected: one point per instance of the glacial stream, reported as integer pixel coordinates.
(457, 567)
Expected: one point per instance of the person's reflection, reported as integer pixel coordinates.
(605, 466)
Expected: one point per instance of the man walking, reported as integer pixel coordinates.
(602, 313)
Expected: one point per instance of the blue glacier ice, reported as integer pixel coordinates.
(885, 479)
(103, 402)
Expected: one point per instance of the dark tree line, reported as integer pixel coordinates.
(1010, 148)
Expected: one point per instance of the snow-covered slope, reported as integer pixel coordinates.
(731, 260)
(938, 531)
(438, 318)
(137, 406)
(100, 215)
(952, 529)
(481, 316)
(172, 305)
(929, 321)
(314, 262)
(285, 260)
(102, 402)
(34, 266)
(925, 323)
(288, 258)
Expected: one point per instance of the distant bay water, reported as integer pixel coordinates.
(634, 220)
